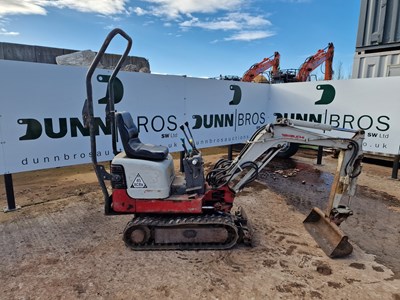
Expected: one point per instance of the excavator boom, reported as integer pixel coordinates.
(267, 141)
(264, 65)
(312, 62)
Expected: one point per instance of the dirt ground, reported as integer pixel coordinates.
(61, 246)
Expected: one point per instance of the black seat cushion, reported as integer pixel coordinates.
(133, 147)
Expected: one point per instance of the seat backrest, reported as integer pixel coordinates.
(126, 127)
(133, 147)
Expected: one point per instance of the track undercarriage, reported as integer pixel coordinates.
(213, 231)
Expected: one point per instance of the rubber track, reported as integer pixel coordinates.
(211, 220)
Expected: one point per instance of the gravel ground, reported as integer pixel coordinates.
(61, 246)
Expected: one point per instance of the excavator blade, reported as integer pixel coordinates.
(327, 234)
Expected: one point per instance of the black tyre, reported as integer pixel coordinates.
(288, 151)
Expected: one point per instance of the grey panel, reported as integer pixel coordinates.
(47, 55)
(19, 52)
(375, 64)
(393, 70)
(379, 23)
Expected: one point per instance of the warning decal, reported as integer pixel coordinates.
(138, 182)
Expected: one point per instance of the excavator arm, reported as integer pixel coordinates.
(263, 146)
(267, 141)
(265, 64)
(312, 62)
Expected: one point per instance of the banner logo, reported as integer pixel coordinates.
(328, 94)
(237, 94)
(117, 86)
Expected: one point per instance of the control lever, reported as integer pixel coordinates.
(191, 138)
(187, 137)
(184, 147)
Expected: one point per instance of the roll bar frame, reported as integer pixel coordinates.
(88, 111)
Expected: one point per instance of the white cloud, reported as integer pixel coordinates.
(104, 7)
(249, 35)
(38, 7)
(173, 9)
(245, 26)
(15, 7)
(3, 31)
(221, 24)
(231, 21)
(243, 23)
(138, 11)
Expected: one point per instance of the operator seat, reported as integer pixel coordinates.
(133, 147)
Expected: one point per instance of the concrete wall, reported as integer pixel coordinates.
(47, 55)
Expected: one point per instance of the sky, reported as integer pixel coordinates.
(199, 38)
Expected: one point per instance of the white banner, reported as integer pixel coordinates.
(41, 124)
(369, 104)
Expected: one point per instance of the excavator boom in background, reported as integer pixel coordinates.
(292, 75)
(311, 63)
(264, 65)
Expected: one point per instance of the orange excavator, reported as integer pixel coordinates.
(259, 68)
(312, 62)
(292, 75)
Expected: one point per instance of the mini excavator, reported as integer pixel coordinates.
(194, 210)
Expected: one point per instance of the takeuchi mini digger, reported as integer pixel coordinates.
(194, 210)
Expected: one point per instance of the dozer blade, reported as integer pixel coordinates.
(327, 234)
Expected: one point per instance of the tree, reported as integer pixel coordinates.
(338, 74)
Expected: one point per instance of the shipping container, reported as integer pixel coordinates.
(380, 64)
(379, 26)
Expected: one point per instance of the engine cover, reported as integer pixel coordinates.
(146, 179)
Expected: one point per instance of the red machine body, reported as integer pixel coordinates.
(214, 199)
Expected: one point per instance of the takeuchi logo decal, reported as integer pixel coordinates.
(328, 94)
(233, 119)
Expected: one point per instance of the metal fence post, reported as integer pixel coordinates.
(319, 156)
(8, 182)
(395, 169)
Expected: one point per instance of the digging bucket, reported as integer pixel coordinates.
(327, 234)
